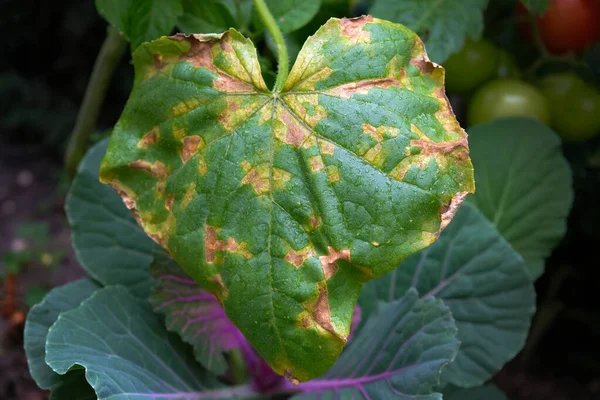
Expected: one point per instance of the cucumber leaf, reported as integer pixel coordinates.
(284, 204)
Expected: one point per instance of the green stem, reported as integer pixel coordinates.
(238, 366)
(282, 52)
(110, 54)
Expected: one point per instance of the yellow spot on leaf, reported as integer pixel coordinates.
(333, 173)
(179, 133)
(316, 163)
(280, 178)
(202, 167)
(189, 195)
(326, 147)
(184, 107)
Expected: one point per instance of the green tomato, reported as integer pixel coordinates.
(575, 106)
(473, 65)
(507, 98)
(507, 67)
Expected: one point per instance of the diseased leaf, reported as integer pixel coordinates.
(483, 281)
(141, 20)
(525, 185)
(39, 320)
(397, 355)
(127, 353)
(487, 392)
(536, 6)
(443, 25)
(284, 204)
(108, 243)
(196, 315)
(290, 15)
(205, 16)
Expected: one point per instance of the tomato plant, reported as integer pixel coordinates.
(574, 105)
(567, 25)
(473, 65)
(507, 98)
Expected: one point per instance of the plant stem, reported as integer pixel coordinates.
(108, 58)
(282, 52)
(237, 363)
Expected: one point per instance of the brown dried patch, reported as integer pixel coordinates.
(429, 147)
(449, 210)
(314, 222)
(297, 258)
(157, 169)
(352, 28)
(258, 178)
(305, 322)
(169, 202)
(424, 64)
(191, 145)
(149, 138)
(321, 312)
(326, 147)
(158, 61)
(127, 199)
(295, 133)
(348, 90)
(328, 261)
(213, 244)
(316, 163)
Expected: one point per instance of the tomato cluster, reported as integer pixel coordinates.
(493, 80)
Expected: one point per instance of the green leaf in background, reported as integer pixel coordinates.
(108, 243)
(290, 15)
(39, 319)
(141, 20)
(284, 204)
(127, 353)
(397, 355)
(205, 16)
(487, 392)
(524, 185)
(483, 281)
(195, 314)
(536, 6)
(443, 25)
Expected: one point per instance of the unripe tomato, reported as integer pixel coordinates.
(507, 98)
(566, 25)
(473, 65)
(574, 106)
(507, 67)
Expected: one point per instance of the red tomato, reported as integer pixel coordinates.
(567, 25)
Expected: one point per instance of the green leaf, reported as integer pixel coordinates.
(443, 25)
(284, 204)
(127, 353)
(290, 15)
(487, 392)
(108, 243)
(206, 16)
(39, 319)
(483, 281)
(536, 6)
(397, 355)
(141, 20)
(195, 314)
(524, 185)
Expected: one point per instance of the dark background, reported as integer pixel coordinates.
(47, 53)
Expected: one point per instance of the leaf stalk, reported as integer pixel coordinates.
(108, 58)
(282, 51)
